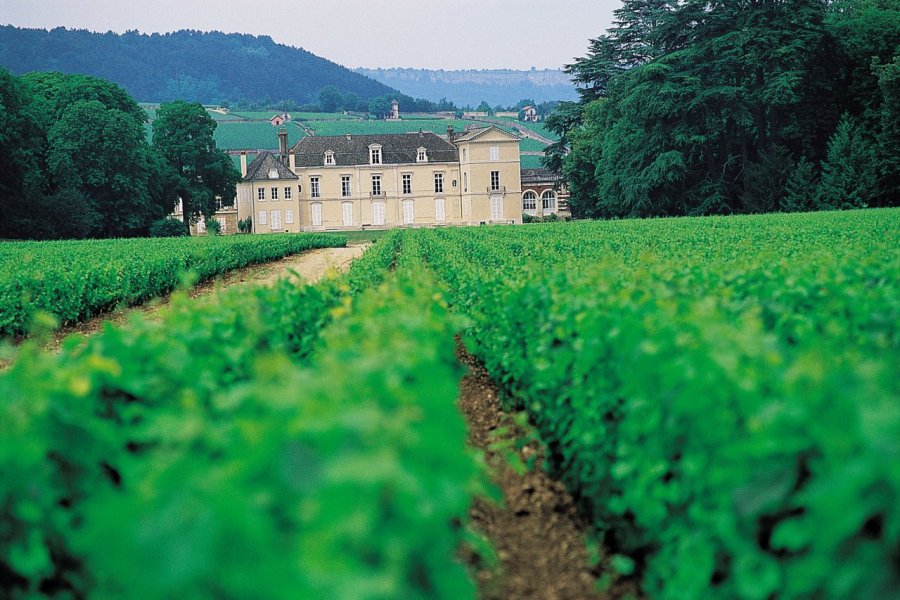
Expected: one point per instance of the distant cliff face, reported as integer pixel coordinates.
(501, 86)
(207, 67)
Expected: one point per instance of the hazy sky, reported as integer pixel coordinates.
(459, 34)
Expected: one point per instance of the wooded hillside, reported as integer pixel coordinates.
(185, 65)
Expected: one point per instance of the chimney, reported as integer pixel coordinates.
(243, 165)
(283, 144)
(348, 137)
(450, 133)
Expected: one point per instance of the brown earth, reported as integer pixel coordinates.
(537, 532)
(309, 266)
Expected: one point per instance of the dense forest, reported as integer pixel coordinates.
(716, 107)
(211, 68)
(77, 162)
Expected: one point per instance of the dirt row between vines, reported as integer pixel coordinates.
(537, 532)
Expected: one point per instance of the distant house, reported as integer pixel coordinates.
(394, 115)
(531, 114)
(280, 119)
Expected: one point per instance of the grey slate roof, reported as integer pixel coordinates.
(259, 169)
(395, 149)
(470, 132)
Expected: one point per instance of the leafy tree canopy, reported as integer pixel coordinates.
(698, 107)
(201, 173)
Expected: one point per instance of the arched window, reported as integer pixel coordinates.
(548, 200)
(529, 201)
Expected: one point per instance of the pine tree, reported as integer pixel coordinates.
(801, 187)
(848, 173)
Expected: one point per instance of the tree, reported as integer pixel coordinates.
(889, 137)
(485, 108)
(103, 154)
(330, 98)
(800, 189)
(350, 101)
(20, 150)
(708, 106)
(183, 138)
(380, 107)
(848, 174)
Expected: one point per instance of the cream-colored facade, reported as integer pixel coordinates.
(385, 181)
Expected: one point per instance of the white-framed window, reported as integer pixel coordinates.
(261, 217)
(407, 183)
(273, 174)
(316, 214)
(329, 158)
(548, 200)
(346, 189)
(440, 214)
(421, 155)
(378, 213)
(529, 201)
(224, 223)
(495, 180)
(376, 185)
(276, 220)
(314, 190)
(261, 194)
(347, 212)
(374, 155)
(274, 193)
(289, 216)
(497, 208)
(287, 193)
(495, 152)
(438, 183)
(409, 212)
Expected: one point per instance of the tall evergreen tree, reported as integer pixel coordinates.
(849, 177)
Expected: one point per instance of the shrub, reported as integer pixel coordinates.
(169, 227)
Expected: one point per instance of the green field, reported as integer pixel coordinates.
(72, 281)
(541, 130)
(312, 428)
(720, 393)
(244, 135)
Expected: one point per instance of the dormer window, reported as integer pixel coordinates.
(329, 158)
(421, 155)
(273, 174)
(374, 155)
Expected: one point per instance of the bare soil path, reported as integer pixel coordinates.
(310, 266)
(538, 534)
